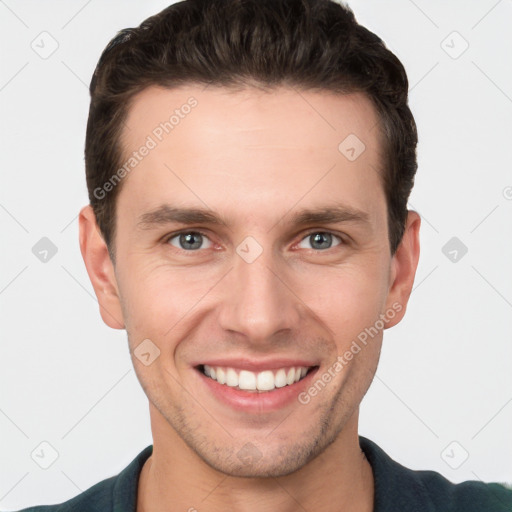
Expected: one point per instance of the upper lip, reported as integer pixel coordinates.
(257, 365)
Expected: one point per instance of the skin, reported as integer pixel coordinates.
(255, 158)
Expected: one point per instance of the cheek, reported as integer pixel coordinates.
(348, 297)
(157, 296)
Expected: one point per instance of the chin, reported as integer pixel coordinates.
(266, 460)
(261, 468)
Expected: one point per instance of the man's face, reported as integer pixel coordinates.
(256, 292)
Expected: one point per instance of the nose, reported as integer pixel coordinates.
(258, 300)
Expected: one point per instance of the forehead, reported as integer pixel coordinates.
(260, 115)
(251, 147)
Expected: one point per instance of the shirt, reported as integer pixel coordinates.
(397, 489)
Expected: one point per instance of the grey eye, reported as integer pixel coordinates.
(190, 240)
(319, 240)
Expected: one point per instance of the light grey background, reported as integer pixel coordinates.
(443, 390)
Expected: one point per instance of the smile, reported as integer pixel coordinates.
(263, 381)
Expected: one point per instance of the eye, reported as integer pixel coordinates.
(189, 240)
(320, 240)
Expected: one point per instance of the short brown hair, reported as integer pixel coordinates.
(309, 44)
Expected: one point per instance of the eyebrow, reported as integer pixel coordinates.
(167, 214)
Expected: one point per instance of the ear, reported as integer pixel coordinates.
(100, 268)
(403, 268)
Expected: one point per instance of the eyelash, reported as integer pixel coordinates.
(168, 238)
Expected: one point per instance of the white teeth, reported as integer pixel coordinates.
(280, 378)
(221, 376)
(231, 378)
(266, 380)
(246, 380)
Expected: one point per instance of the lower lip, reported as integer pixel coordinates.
(257, 402)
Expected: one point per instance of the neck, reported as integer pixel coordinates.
(175, 478)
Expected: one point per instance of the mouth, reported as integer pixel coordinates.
(256, 382)
(254, 386)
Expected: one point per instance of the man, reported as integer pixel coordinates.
(248, 167)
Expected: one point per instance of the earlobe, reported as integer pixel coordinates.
(100, 268)
(404, 265)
